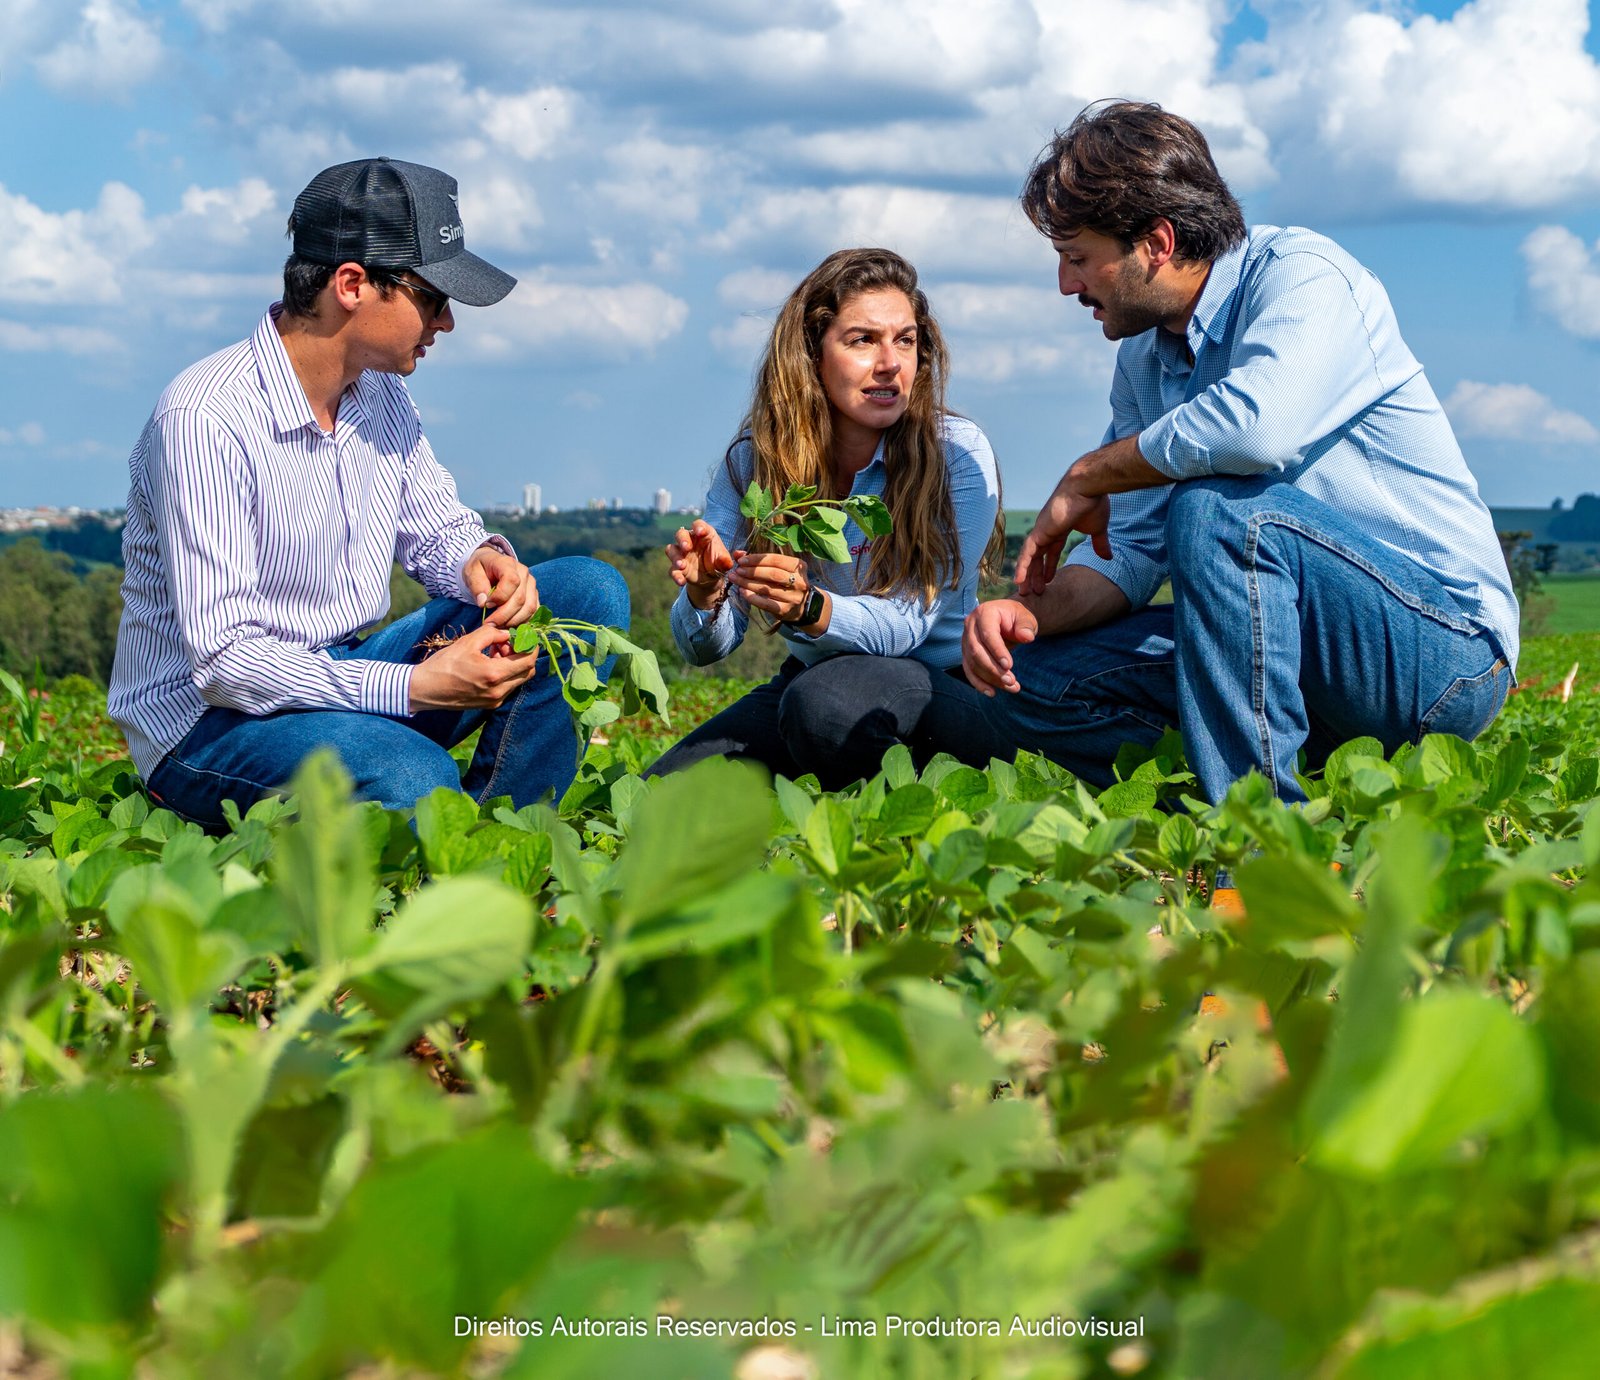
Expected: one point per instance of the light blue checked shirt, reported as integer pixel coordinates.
(1299, 369)
(881, 625)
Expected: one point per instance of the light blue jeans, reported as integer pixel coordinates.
(528, 748)
(1290, 630)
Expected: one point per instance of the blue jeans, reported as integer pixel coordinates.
(1290, 630)
(528, 748)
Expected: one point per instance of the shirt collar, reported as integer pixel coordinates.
(1210, 317)
(286, 399)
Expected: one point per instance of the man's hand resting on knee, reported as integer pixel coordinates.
(1077, 598)
(476, 671)
(990, 631)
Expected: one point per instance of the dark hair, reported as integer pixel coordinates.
(1122, 165)
(304, 280)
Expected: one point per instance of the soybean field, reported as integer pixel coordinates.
(955, 1073)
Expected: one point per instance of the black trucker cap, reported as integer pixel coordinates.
(382, 213)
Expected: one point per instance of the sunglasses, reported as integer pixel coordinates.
(432, 301)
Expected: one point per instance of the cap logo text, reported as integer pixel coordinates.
(449, 234)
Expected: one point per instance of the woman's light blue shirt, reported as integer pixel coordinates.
(877, 624)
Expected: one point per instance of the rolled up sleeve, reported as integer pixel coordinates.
(1138, 527)
(706, 637)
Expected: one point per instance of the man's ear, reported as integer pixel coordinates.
(346, 284)
(1160, 242)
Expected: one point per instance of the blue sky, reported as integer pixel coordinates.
(659, 175)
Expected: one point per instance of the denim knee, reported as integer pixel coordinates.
(1205, 515)
(585, 588)
(398, 779)
(814, 719)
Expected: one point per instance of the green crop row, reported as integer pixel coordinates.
(693, 1062)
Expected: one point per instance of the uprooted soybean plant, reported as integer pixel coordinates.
(950, 1048)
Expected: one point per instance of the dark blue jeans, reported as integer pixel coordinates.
(1290, 629)
(528, 748)
(837, 718)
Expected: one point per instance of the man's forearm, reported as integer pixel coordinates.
(1118, 468)
(1076, 599)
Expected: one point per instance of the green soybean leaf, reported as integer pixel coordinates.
(642, 684)
(695, 831)
(1290, 897)
(599, 713)
(830, 834)
(1461, 1066)
(1127, 799)
(324, 865)
(967, 789)
(756, 503)
(460, 935)
(121, 1146)
(176, 959)
(444, 819)
(870, 514)
(735, 912)
(483, 1211)
(907, 811)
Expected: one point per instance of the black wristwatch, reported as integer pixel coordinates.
(810, 611)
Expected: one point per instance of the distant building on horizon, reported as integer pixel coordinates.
(532, 499)
(663, 501)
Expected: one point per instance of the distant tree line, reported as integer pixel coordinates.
(1581, 522)
(89, 541)
(55, 611)
(52, 613)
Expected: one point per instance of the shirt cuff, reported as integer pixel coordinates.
(1135, 574)
(493, 539)
(846, 623)
(386, 688)
(1165, 449)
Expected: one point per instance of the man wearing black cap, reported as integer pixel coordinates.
(273, 487)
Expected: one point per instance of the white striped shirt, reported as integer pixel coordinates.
(255, 540)
(1296, 367)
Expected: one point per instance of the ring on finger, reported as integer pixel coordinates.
(790, 582)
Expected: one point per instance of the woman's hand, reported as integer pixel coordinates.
(778, 584)
(698, 561)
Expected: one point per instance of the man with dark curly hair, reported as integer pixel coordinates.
(1275, 451)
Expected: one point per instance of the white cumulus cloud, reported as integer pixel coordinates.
(1496, 106)
(1515, 412)
(229, 215)
(114, 50)
(28, 434)
(435, 102)
(596, 320)
(1564, 279)
(936, 230)
(68, 256)
(20, 337)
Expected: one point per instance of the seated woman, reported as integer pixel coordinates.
(849, 398)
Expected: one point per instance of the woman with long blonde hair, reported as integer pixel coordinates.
(849, 400)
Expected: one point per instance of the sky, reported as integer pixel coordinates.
(659, 176)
